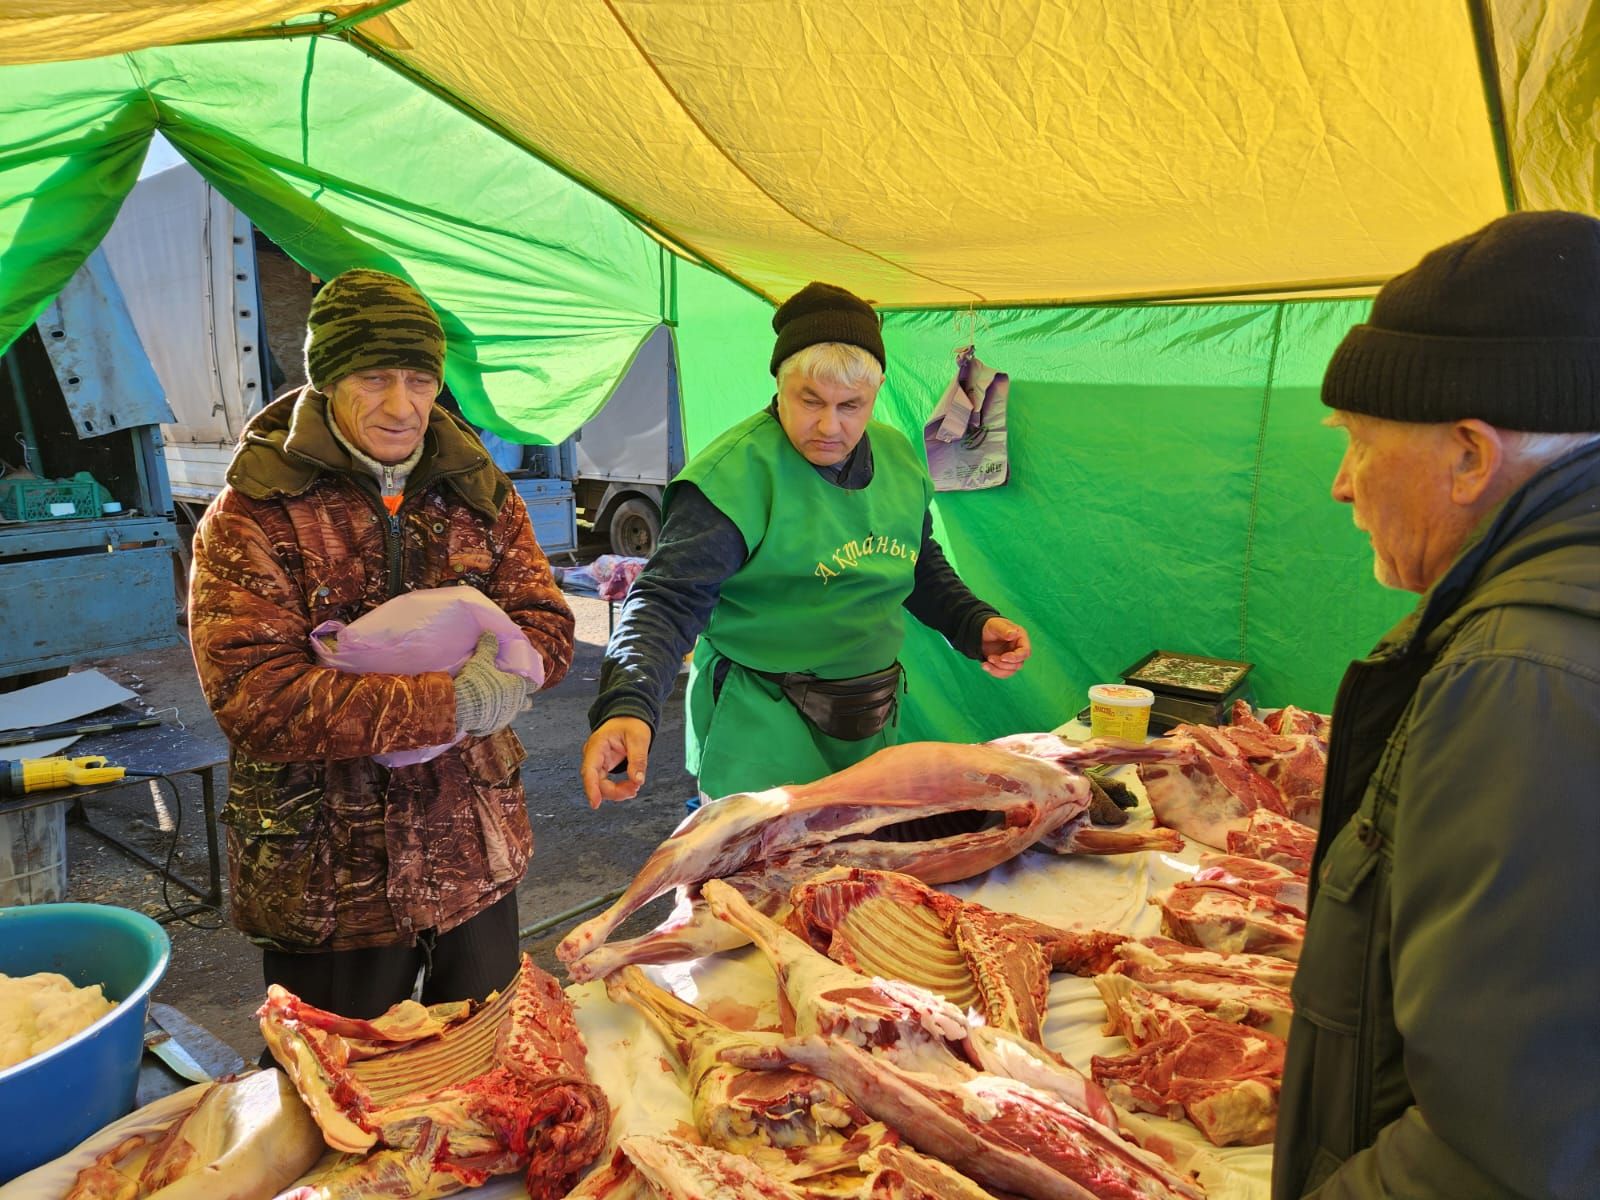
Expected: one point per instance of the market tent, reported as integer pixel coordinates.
(1032, 161)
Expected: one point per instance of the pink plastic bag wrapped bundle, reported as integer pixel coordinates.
(614, 575)
(433, 629)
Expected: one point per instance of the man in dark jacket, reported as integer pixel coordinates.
(1446, 1037)
(350, 875)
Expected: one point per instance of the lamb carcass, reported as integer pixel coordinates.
(891, 925)
(659, 1167)
(1267, 879)
(754, 840)
(1224, 1077)
(933, 1055)
(744, 1112)
(918, 1028)
(1274, 839)
(1001, 1132)
(244, 1139)
(1228, 919)
(503, 1088)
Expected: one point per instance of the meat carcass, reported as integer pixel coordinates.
(244, 1139)
(658, 1167)
(1228, 919)
(502, 1089)
(918, 1028)
(734, 1109)
(1224, 1077)
(845, 819)
(1001, 1132)
(891, 925)
(1267, 879)
(1274, 839)
(1248, 989)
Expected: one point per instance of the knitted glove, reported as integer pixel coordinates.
(487, 698)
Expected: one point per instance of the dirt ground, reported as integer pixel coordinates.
(215, 974)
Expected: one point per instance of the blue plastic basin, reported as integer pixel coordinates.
(53, 1101)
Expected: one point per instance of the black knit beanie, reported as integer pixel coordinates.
(820, 312)
(364, 319)
(1502, 325)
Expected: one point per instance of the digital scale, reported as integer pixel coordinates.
(1190, 689)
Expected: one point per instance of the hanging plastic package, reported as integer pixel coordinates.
(432, 629)
(966, 436)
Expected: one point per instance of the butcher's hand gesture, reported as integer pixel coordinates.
(619, 741)
(1005, 647)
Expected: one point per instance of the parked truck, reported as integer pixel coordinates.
(222, 313)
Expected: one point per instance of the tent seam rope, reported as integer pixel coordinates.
(645, 58)
(1255, 480)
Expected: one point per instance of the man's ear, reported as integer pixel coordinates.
(1476, 456)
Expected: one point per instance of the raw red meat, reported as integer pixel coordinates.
(1267, 879)
(1001, 1132)
(885, 924)
(1223, 1077)
(1249, 989)
(1221, 917)
(503, 1088)
(1227, 773)
(1274, 839)
(765, 842)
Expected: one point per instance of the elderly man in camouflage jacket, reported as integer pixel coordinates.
(351, 876)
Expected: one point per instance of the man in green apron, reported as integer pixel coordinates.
(789, 546)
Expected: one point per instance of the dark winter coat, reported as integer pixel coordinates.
(1446, 1037)
(327, 849)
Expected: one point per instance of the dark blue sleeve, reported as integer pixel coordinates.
(667, 607)
(942, 602)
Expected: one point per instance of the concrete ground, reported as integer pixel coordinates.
(580, 855)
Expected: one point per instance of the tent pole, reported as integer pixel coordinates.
(360, 15)
(1493, 99)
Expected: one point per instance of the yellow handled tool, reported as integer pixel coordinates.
(20, 776)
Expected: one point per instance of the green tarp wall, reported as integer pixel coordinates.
(1169, 470)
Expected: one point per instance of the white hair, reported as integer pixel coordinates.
(1529, 451)
(838, 363)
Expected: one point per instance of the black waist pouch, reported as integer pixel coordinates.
(851, 710)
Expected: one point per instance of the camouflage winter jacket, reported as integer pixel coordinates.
(328, 850)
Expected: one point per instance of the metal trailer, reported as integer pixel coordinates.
(86, 564)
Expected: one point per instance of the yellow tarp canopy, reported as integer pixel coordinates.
(940, 153)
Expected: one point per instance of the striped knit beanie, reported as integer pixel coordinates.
(1502, 325)
(820, 312)
(365, 319)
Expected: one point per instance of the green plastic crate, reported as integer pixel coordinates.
(37, 499)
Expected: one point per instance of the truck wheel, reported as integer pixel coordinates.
(634, 527)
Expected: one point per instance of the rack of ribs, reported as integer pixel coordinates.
(891, 925)
(451, 1095)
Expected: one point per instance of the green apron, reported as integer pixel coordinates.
(820, 591)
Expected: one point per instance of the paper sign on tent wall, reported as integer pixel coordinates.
(966, 436)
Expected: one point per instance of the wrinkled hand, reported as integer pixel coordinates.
(487, 698)
(1005, 647)
(617, 741)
